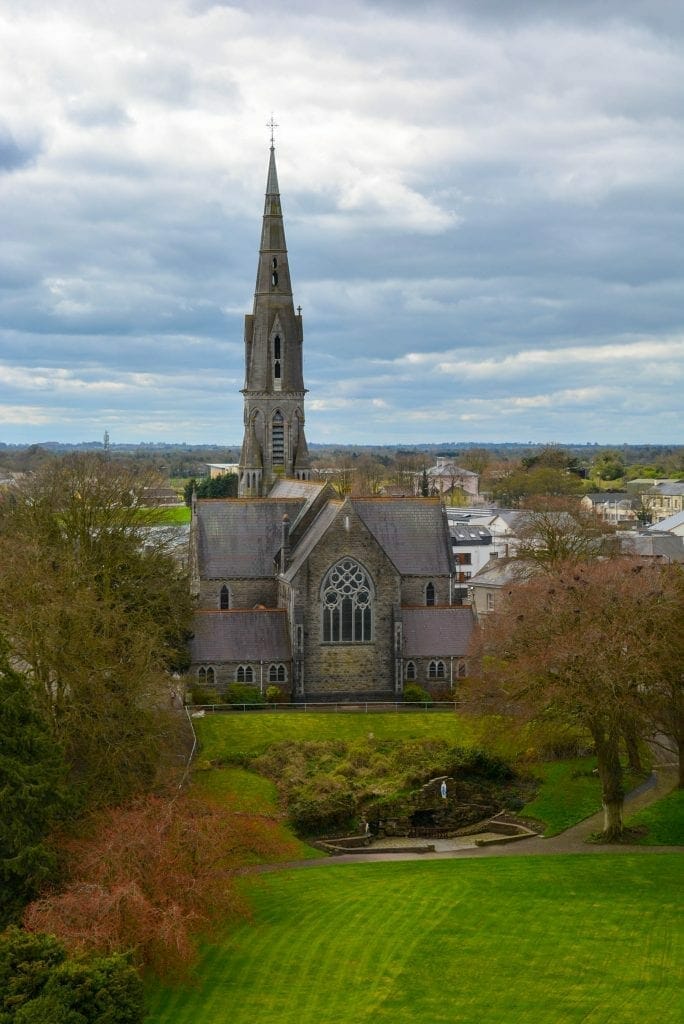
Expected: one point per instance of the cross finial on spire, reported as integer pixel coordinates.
(272, 125)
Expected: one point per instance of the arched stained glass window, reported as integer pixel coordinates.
(347, 604)
(224, 598)
(410, 670)
(436, 670)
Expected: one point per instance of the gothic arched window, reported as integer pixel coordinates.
(430, 594)
(244, 674)
(410, 670)
(224, 598)
(277, 674)
(347, 604)
(436, 670)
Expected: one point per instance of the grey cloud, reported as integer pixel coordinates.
(15, 155)
(93, 112)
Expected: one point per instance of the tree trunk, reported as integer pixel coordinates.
(680, 753)
(632, 746)
(610, 772)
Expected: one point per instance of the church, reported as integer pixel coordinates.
(326, 598)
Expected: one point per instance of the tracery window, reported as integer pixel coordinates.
(277, 674)
(206, 676)
(436, 670)
(347, 604)
(244, 674)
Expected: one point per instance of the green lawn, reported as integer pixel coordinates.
(538, 940)
(233, 735)
(664, 821)
(568, 794)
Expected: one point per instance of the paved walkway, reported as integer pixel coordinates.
(573, 840)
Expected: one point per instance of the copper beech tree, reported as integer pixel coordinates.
(150, 877)
(592, 644)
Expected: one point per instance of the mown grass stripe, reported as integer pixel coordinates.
(558, 940)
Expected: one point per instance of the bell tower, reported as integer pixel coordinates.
(274, 444)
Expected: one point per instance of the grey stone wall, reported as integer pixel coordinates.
(413, 589)
(226, 671)
(435, 686)
(244, 593)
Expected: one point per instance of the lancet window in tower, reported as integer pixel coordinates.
(347, 596)
(278, 446)
(277, 377)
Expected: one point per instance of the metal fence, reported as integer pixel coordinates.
(365, 707)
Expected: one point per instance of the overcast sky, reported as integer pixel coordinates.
(483, 207)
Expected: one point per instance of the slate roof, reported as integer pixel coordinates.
(500, 571)
(611, 498)
(671, 487)
(306, 490)
(449, 469)
(240, 537)
(667, 546)
(671, 523)
(463, 533)
(255, 634)
(411, 531)
(436, 632)
(312, 536)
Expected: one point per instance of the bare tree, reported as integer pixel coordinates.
(554, 531)
(588, 644)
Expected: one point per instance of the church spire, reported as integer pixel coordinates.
(274, 385)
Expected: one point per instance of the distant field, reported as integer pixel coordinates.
(587, 939)
(231, 735)
(174, 515)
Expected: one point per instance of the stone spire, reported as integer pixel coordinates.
(274, 445)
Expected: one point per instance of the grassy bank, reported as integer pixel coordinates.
(232, 736)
